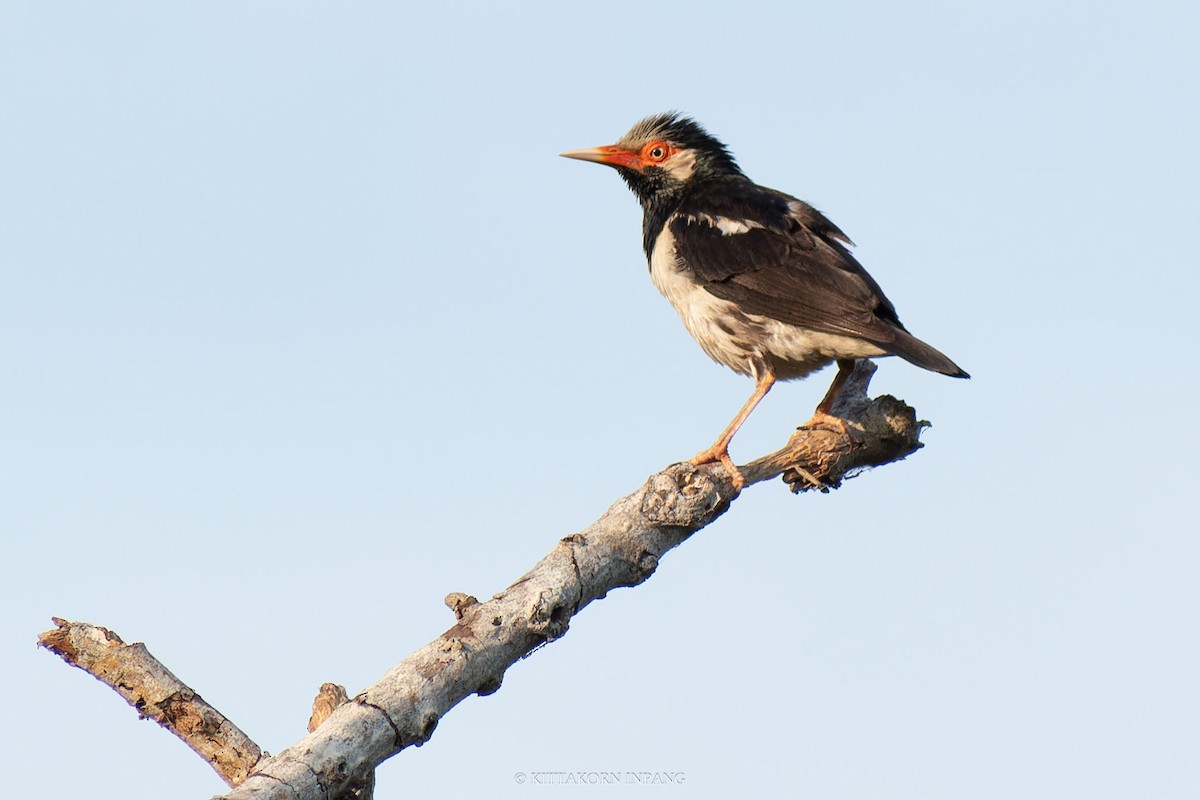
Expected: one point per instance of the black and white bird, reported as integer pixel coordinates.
(763, 281)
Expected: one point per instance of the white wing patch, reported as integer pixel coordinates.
(726, 225)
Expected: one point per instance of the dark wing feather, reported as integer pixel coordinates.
(787, 271)
(792, 266)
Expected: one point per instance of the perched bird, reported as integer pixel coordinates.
(763, 281)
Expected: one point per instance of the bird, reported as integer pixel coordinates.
(763, 281)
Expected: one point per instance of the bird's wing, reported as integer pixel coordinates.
(792, 267)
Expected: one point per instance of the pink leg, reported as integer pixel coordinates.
(720, 448)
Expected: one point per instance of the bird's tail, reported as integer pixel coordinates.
(914, 351)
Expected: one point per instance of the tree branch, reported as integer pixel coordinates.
(155, 693)
(622, 548)
(821, 457)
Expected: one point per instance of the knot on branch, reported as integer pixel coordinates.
(329, 697)
(459, 602)
(687, 496)
(551, 614)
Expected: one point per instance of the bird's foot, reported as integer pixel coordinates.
(827, 421)
(714, 455)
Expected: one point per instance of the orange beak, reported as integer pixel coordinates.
(609, 154)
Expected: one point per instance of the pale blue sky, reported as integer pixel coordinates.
(306, 325)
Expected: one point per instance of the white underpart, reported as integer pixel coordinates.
(790, 351)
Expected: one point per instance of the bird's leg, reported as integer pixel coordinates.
(823, 414)
(845, 367)
(719, 451)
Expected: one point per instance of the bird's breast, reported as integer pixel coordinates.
(727, 335)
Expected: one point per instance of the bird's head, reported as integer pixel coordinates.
(662, 155)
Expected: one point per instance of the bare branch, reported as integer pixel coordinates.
(622, 548)
(156, 694)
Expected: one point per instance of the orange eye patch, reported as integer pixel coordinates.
(657, 152)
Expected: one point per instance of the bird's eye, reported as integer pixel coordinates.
(657, 152)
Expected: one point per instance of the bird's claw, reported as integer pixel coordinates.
(827, 421)
(715, 455)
